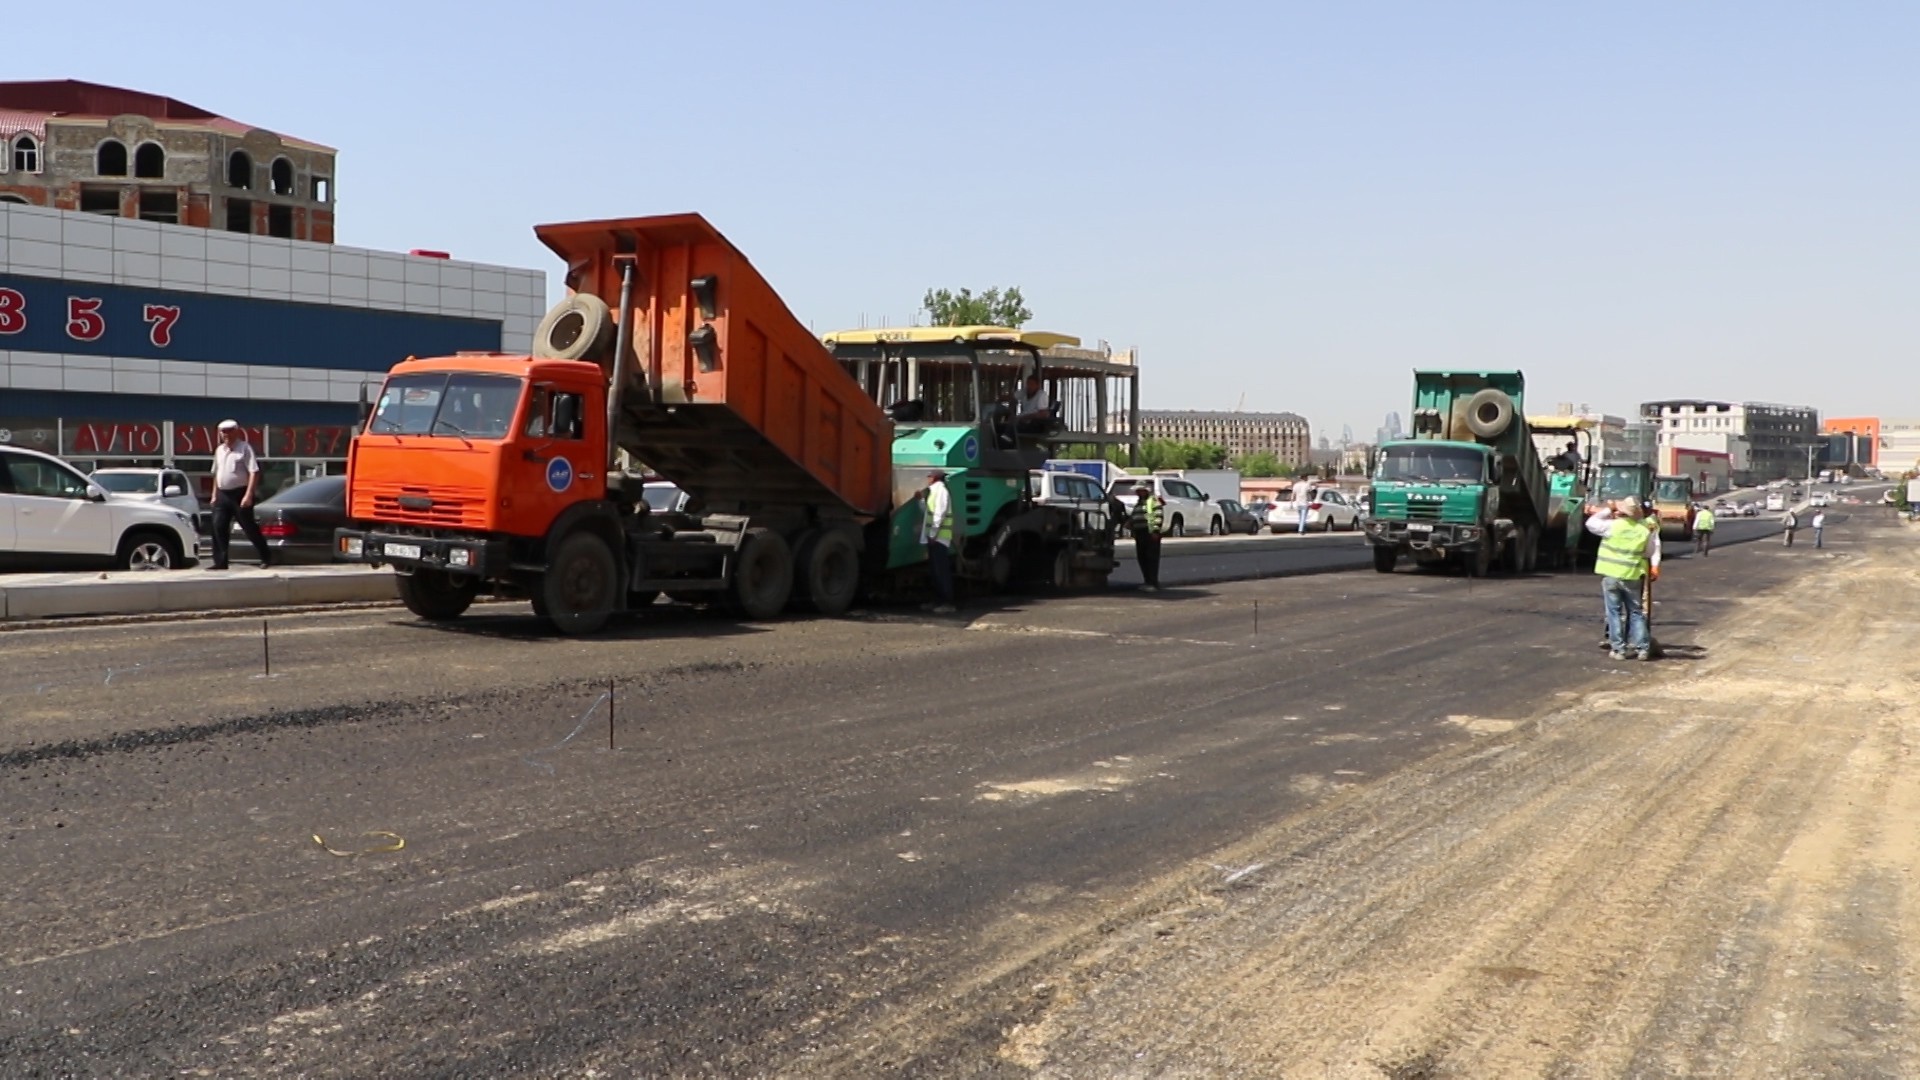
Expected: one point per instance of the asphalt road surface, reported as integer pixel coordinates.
(1200, 562)
(1424, 829)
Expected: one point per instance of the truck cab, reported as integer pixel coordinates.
(1469, 487)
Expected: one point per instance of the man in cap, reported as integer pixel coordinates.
(936, 533)
(1629, 552)
(1144, 523)
(236, 477)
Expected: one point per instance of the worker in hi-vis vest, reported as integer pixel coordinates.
(1629, 552)
(1703, 531)
(936, 532)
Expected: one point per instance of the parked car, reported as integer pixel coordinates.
(299, 522)
(167, 487)
(1238, 518)
(1327, 510)
(51, 517)
(1074, 490)
(1184, 507)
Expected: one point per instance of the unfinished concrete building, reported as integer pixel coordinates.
(123, 153)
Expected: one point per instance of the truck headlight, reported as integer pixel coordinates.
(352, 545)
(460, 557)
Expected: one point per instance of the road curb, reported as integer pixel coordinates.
(182, 593)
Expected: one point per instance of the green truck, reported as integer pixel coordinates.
(1468, 488)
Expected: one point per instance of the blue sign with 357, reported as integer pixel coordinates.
(81, 317)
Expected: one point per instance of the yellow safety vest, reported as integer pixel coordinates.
(1703, 521)
(939, 514)
(1623, 551)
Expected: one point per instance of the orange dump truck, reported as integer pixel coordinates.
(497, 473)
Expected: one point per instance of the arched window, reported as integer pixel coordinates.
(239, 170)
(111, 158)
(282, 176)
(150, 161)
(26, 153)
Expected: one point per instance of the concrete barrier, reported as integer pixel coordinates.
(52, 596)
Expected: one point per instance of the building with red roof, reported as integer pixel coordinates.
(97, 149)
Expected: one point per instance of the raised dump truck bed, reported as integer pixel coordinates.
(729, 395)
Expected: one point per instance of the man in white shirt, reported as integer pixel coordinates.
(236, 477)
(1033, 408)
(937, 533)
(1819, 526)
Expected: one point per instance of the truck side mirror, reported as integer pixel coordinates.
(566, 417)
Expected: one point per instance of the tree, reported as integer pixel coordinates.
(990, 308)
(1263, 463)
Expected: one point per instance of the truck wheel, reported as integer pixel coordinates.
(1062, 573)
(1481, 560)
(830, 569)
(1384, 558)
(577, 328)
(1489, 413)
(763, 576)
(436, 595)
(148, 550)
(579, 586)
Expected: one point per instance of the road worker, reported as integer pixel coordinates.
(1629, 552)
(1145, 524)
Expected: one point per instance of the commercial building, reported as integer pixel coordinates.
(1898, 451)
(163, 268)
(1283, 434)
(1852, 442)
(1762, 441)
(1710, 471)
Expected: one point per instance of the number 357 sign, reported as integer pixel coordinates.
(85, 318)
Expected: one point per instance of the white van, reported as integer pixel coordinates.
(1776, 502)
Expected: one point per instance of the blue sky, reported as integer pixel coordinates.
(1297, 203)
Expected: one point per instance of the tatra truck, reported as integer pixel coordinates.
(1468, 487)
(517, 476)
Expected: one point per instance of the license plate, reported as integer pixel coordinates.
(1410, 528)
(403, 551)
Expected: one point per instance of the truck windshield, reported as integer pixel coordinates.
(1618, 484)
(460, 404)
(1673, 490)
(1431, 463)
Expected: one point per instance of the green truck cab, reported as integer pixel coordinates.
(1468, 488)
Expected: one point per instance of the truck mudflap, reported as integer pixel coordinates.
(472, 555)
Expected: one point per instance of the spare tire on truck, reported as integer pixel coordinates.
(1489, 413)
(577, 328)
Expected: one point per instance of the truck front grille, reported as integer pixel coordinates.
(406, 505)
(1424, 511)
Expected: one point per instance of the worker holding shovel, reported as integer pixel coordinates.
(1628, 562)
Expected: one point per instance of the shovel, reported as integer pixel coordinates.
(1646, 604)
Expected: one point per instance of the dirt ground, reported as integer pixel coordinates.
(1704, 869)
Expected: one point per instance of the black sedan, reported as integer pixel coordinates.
(299, 522)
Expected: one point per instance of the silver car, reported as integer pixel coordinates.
(166, 487)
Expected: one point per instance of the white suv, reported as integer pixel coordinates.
(1184, 508)
(52, 517)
